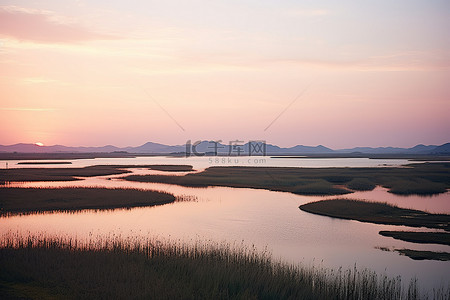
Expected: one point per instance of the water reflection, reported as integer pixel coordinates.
(205, 162)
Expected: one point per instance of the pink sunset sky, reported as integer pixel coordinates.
(91, 73)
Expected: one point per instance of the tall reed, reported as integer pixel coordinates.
(133, 268)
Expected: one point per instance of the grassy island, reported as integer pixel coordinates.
(420, 179)
(442, 238)
(31, 200)
(70, 174)
(379, 213)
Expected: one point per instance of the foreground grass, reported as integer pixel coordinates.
(70, 174)
(29, 200)
(420, 179)
(56, 268)
(379, 213)
(442, 238)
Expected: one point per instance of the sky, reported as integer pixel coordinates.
(337, 73)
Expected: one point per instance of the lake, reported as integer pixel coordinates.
(199, 162)
(264, 219)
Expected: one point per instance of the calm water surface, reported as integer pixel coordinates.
(252, 217)
(205, 162)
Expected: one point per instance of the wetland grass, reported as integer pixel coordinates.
(70, 174)
(382, 213)
(57, 174)
(420, 179)
(361, 184)
(31, 200)
(442, 238)
(40, 267)
(378, 213)
(424, 255)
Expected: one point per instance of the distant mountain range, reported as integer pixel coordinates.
(209, 147)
